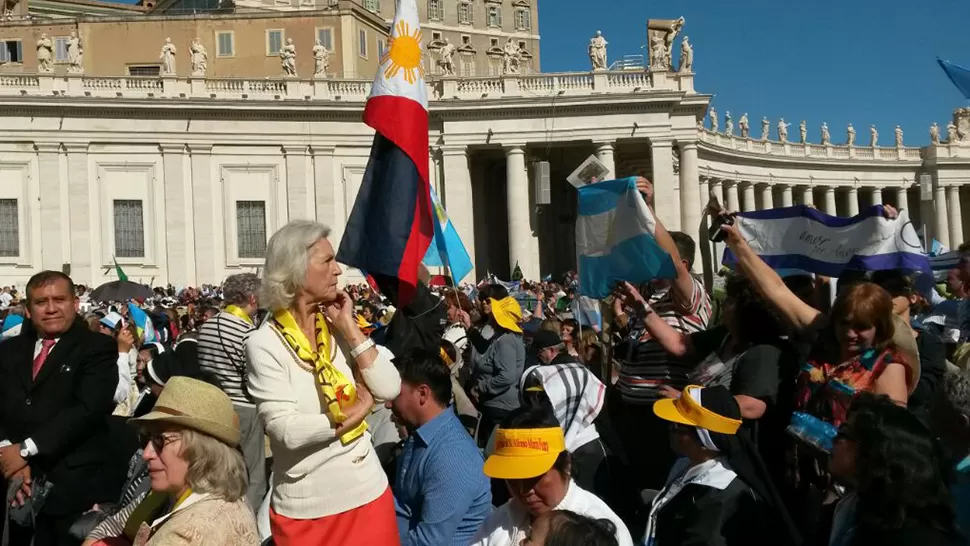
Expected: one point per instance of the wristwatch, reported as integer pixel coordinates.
(24, 452)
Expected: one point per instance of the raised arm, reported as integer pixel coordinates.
(682, 287)
(800, 315)
(676, 343)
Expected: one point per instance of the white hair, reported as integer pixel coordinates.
(286, 262)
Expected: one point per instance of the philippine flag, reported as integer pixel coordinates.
(390, 226)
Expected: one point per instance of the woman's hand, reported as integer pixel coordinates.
(464, 318)
(890, 212)
(340, 312)
(358, 411)
(628, 295)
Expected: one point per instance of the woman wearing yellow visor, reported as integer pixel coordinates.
(494, 384)
(530, 455)
(719, 492)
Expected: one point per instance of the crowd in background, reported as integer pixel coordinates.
(294, 411)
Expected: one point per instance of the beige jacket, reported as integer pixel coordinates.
(192, 523)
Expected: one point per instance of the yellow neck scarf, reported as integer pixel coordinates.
(338, 392)
(238, 312)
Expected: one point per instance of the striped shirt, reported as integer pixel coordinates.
(221, 354)
(644, 364)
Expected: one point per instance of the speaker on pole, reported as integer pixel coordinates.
(543, 190)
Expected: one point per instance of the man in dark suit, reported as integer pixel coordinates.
(57, 380)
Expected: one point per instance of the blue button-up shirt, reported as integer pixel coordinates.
(441, 495)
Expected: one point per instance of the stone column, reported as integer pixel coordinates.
(666, 202)
(786, 196)
(704, 190)
(49, 171)
(747, 198)
(299, 205)
(180, 254)
(203, 205)
(876, 196)
(942, 227)
(323, 185)
(83, 261)
(732, 196)
(523, 245)
(459, 200)
(690, 196)
(830, 206)
(852, 195)
(767, 199)
(808, 196)
(955, 214)
(902, 198)
(604, 152)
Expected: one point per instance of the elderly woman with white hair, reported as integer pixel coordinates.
(314, 376)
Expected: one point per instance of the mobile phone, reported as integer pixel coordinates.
(716, 233)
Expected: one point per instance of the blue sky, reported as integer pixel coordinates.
(864, 61)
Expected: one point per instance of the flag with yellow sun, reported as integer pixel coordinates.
(391, 224)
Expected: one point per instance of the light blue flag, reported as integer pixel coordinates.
(146, 330)
(958, 75)
(446, 249)
(614, 239)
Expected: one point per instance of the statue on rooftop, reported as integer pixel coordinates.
(765, 128)
(898, 133)
(661, 34)
(714, 121)
(803, 132)
(934, 133)
(75, 54)
(288, 58)
(511, 56)
(199, 58)
(447, 58)
(783, 130)
(850, 135)
(873, 136)
(321, 60)
(686, 57)
(658, 55)
(168, 58)
(45, 54)
(597, 51)
(728, 124)
(952, 133)
(743, 125)
(826, 137)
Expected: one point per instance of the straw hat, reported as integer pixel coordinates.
(197, 405)
(507, 313)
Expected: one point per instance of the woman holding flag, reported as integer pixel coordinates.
(312, 373)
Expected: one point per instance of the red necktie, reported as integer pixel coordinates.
(45, 350)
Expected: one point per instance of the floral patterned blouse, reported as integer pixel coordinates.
(826, 391)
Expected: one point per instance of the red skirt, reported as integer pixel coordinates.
(372, 524)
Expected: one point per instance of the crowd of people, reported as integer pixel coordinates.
(286, 409)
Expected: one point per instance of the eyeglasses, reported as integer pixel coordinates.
(159, 440)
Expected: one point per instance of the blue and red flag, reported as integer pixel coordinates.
(390, 226)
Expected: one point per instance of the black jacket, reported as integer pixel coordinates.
(700, 515)
(65, 412)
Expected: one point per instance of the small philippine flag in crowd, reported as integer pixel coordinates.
(390, 226)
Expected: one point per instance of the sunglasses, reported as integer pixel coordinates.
(158, 440)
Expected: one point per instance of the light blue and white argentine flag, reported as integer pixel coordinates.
(804, 238)
(614, 239)
(446, 249)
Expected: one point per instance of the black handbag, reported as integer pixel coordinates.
(25, 514)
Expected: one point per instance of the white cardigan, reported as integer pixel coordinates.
(511, 523)
(315, 475)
